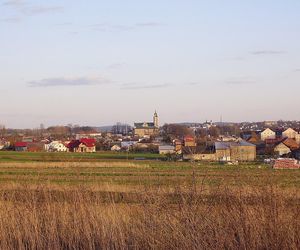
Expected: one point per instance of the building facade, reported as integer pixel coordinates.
(147, 129)
(267, 134)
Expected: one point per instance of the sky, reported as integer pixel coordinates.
(98, 62)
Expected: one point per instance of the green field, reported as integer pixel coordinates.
(31, 168)
(12, 156)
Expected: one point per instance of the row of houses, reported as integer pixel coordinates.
(290, 133)
(276, 142)
(84, 145)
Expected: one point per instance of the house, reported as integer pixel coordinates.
(21, 146)
(83, 135)
(270, 123)
(4, 144)
(166, 149)
(178, 146)
(147, 128)
(127, 144)
(115, 148)
(286, 146)
(84, 145)
(253, 138)
(267, 134)
(189, 141)
(56, 146)
(239, 150)
(282, 149)
(289, 133)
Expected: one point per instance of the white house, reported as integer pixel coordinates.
(115, 148)
(56, 146)
(267, 134)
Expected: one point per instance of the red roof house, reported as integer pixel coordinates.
(84, 145)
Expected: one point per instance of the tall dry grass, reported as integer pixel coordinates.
(42, 217)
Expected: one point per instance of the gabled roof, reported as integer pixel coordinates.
(189, 138)
(88, 142)
(291, 143)
(267, 130)
(289, 130)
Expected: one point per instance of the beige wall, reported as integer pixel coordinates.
(200, 157)
(281, 149)
(267, 134)
(223, 154)
(289, 133)
(145, 131)
(84, 149)
(243, 153)
(239, 153)
(297, 138)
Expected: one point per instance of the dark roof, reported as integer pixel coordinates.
(73, 144)
(226, 145)
(144, 125)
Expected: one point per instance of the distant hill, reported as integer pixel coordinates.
(104, 128)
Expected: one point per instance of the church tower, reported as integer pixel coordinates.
(155, 120)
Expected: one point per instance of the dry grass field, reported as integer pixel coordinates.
(147, 205)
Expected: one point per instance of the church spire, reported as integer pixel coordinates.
(155, 119)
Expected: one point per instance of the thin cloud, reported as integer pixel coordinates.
(30, 9)
(149, 24)
(121, 27)
(10, 20)
(134, 86)
(64, 24)
(297, 70)
(110, 27)
(193, 83)
(15, 3)
(240, 80)
(238, 58)
(114, 66)
(267, 52)
(42, 10)
(61, 81)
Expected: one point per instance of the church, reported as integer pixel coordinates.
(147, 128)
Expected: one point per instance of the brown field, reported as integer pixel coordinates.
(148, 205)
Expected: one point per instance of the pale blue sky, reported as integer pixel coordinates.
(96, 62)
